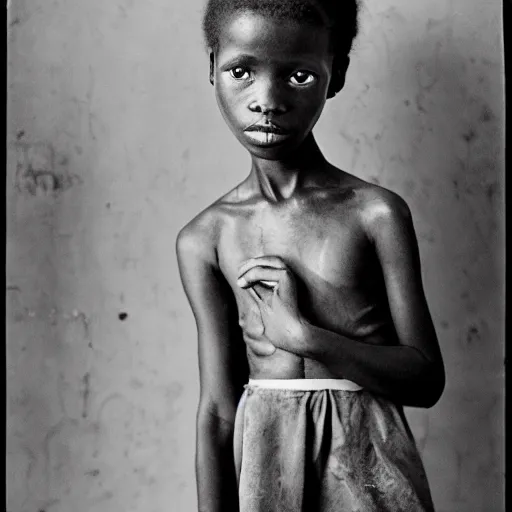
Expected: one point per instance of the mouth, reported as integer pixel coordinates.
(267, 134)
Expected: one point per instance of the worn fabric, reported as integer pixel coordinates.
(325, 450)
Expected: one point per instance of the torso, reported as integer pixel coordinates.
(320, 236)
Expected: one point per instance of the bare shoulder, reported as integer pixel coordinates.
(201, 234)
(197, 237)
(380, 207)
(196, 251)
(372, 200)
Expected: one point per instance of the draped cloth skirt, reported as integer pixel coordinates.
(325, 445)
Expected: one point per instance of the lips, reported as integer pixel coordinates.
(268, 134)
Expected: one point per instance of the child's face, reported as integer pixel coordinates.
(274, 73)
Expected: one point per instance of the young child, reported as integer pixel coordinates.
(305, 284)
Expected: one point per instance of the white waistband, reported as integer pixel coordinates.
(306, 384)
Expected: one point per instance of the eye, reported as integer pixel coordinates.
(302, 78)
(239, 73)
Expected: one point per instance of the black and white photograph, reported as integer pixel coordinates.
(255, 256)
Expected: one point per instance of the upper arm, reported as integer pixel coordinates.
(389, 225)
(222, 360)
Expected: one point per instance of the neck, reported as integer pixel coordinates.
(279, 179)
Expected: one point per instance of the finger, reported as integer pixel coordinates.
(255, 295)
(270, 284)
(263, 261)
(260, 275)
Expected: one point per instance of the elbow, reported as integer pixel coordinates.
(430, 386)
(212, 414)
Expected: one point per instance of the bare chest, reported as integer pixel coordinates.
(323, 246)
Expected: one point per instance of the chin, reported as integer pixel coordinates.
(272, 151)
(277, 152)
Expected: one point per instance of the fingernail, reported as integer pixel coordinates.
(241, 282)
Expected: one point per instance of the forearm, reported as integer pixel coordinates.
(399, 372)
(215, 469)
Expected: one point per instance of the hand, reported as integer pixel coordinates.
(279, 310)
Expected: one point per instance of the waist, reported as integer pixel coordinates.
(305, 384)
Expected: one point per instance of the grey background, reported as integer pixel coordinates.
(109, 102)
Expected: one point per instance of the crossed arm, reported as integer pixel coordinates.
(411, 373)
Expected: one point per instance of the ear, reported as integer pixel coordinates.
(339, 71)
(212, 65)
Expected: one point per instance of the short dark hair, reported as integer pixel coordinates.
(340, 17)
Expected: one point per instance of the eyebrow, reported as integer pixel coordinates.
(242, 59)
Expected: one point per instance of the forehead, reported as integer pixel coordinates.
(267, 37)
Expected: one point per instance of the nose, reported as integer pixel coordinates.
(268, 99)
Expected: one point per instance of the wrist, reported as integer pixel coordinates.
(311, 341)
(292, 338)
(301, 336)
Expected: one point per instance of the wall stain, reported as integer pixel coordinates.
(86, 381)
(99, 416)
(472, 335)
(455, 184)
(469, 135)
(486, 115)
(81, 317)
(63, 160)
(50, 503)
(28, 473)
(39, 173)
(53, 317)
(105, 496)
(50, 435)
(490, 191)
(419, 98)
